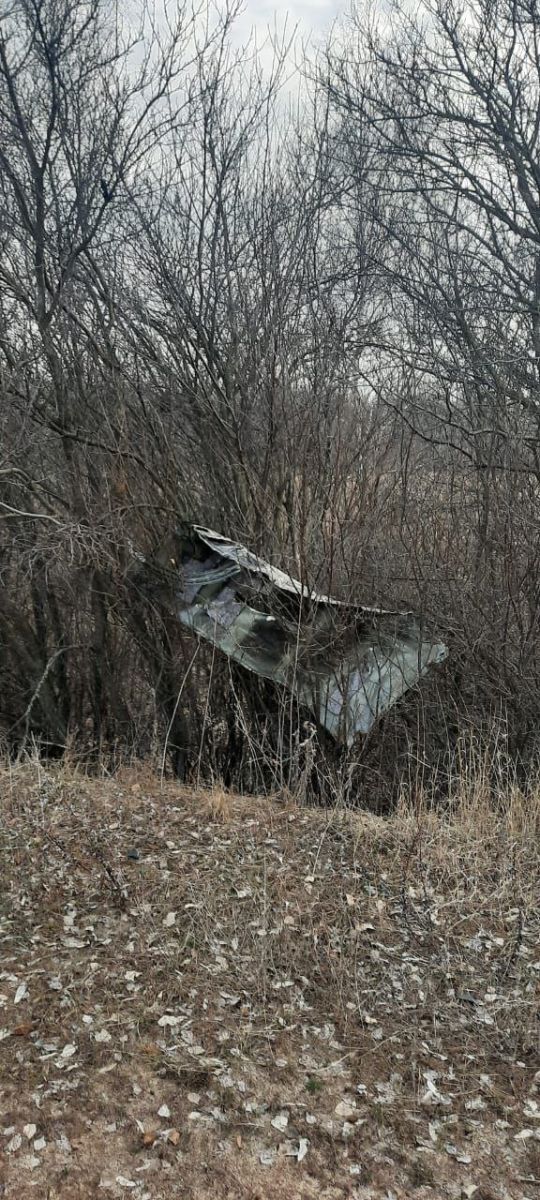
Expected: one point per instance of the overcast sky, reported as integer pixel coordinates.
(312, 18)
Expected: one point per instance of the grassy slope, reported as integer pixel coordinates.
(281, 983)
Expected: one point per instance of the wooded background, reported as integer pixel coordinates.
(302, 308)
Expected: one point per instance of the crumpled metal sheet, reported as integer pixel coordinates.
(347, 663)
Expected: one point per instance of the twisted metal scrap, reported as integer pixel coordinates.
(347, 663)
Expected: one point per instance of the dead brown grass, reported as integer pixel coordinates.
(370, 986)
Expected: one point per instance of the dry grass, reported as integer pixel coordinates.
(369, 985)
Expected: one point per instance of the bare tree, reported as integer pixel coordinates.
(315, 327)
(450, 97)
(87, 109)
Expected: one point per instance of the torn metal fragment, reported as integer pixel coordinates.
(345, 662)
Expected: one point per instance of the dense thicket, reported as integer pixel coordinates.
(314, 326)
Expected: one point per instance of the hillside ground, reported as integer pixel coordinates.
(208, 996)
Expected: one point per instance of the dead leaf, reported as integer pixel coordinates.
(345, 1110)
(303, 1147)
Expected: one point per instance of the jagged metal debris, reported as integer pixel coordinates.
(347, 663)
